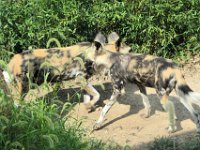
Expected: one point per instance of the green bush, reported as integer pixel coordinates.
(167, 143)
(158, 27)
(44, 126)
(163, 143)
(37, 126)
(193, 144)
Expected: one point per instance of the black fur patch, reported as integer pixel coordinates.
(89, 69)
(166, 83)
(26, 52)
(185, 89)
(164, 66)
(56, 52)
(118, 75)
(118, 44)
(138, 58)
(97, 45)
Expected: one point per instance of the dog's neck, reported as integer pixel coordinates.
(108, 58)
(104, 59)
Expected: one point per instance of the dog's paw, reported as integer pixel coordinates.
(89, 107)
(172, 129)
(97, 126)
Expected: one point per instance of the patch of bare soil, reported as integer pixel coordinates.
(124, 124)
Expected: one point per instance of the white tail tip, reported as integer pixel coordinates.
(8, 77)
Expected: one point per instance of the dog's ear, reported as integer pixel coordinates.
(97, 45)
(118, 43)
(113, 37)
(99, 41)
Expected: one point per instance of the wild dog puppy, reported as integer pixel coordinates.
(56, 65)
(145, 71)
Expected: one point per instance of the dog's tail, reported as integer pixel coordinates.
(185, 92)
(7, 77)
(188, 97)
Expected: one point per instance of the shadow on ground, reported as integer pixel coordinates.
(130, 98)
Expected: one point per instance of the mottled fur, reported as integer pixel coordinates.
(39, 62)
(145, 71)
(59, 63)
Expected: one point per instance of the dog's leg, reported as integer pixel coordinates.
(145, 99)
(106, 108)
(90, 104)
(22, 90)
(169, 107)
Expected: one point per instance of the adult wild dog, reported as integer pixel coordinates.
(145, 71)
(56, 65)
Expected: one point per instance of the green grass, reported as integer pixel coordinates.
(37, 125)
(166, 143)
(41, 125)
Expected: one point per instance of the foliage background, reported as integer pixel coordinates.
(161, 27)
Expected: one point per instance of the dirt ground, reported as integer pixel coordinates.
(124, 123)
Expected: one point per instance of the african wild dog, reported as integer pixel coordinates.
(56, 63)
(145, 71)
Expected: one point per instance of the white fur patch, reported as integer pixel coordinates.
(193, 97)
(86, 99)
(8, 78)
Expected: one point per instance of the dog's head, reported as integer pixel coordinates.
(100, 46)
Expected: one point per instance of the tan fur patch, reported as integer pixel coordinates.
(132, 65)
(168, 72)
(110, 47)
(143, 71)
(164, 99)
(65, 60)
(15, 65)
(173, 71)
(19, 85)
(40, 53)
(75, 50)
(122, 49)
(149, 58)
(104, 59)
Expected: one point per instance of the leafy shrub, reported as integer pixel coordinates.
(42, 126)
(156, 26)
(166, 143)
(37, 126)
(100, 145)
(193, 144)
(163, 143)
